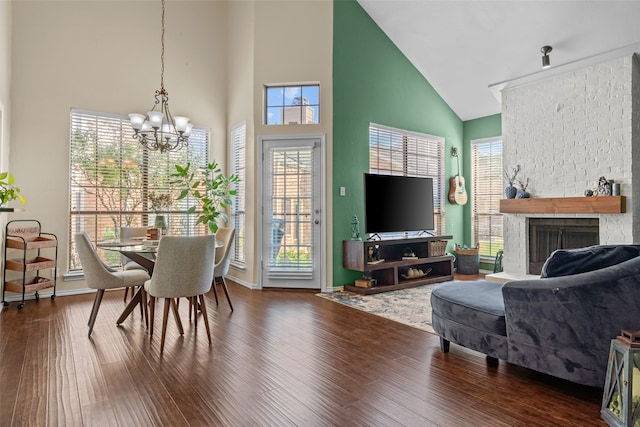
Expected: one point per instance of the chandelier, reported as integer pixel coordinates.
(159, 130)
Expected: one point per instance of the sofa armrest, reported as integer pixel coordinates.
(564, 325)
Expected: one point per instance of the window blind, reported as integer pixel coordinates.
(111, 177)
(399, 152)
(238, 166)
(487, 190)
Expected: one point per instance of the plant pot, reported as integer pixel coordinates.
(522, 195)
(510, 192)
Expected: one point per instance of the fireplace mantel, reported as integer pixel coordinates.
(586, 205)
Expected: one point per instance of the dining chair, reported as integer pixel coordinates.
(128, 233)
(223, 260)
(183, 268)
(100, 276)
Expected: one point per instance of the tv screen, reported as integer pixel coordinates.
(397, 203)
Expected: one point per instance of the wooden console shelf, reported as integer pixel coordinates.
(391, 272)
(598, 204)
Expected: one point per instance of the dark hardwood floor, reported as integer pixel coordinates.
(282, 358)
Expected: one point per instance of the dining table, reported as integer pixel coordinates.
(143, 252)
(139, 251)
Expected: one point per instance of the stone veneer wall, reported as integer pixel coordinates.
(566, 131)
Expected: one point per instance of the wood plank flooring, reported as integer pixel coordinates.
(282, 358)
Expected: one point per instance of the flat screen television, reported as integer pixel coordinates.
(397, 203)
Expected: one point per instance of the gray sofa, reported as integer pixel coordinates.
(561, 324)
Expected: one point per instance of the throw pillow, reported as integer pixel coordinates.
(565, 262)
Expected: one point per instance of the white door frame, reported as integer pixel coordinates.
(323, 201)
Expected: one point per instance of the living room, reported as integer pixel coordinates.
(103, 56)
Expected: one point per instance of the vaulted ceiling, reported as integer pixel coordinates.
(462, 47)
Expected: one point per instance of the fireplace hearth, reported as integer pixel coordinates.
(548, 234)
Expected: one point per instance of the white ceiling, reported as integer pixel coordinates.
(462, 47)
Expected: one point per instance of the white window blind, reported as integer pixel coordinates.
(399, 152)
(238, 165)
(486, 192)
(111, 177)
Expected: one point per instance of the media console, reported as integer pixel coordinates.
(385, 262)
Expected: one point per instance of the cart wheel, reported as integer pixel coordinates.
(6, 304)
(37, 296)
(53, 297)
(20, 306)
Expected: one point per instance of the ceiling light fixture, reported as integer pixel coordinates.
(159, 130)
(545, 56)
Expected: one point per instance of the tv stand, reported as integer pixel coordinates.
(383, 261)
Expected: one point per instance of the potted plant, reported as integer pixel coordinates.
(211, 188)
(8, 190)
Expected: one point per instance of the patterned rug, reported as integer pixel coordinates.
(409, 306)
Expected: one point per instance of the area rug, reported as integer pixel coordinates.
(409, 306)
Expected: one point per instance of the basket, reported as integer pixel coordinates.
(437, 248)
(468, 260)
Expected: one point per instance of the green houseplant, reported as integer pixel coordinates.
(211, 188)
(8, 190)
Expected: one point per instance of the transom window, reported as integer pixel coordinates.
(113, 179)
(486, 192)
(287, 105)
(400, 152)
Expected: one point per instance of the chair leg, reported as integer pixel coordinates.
(190, 307)
(165, 317)
(215, 293)
(226, 292)
(126, 292)
(205, 317)
(94, 310)
(194, 304)
(152, 310)
(143, 304)
(176, 315)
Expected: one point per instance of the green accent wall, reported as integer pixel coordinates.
(374, 82)
(484, 127)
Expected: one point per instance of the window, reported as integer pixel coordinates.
(399, 152)
(486, 192)
(287, 105)
(238, 166)
(112, 177)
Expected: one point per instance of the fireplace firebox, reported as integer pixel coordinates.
(548, 234)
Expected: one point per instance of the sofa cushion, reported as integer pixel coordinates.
(476, 304)
(565, 262)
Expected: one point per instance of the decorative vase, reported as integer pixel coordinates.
(510, 192)
(161, 222)
(522, 195)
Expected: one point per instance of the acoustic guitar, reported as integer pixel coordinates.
(457, 190)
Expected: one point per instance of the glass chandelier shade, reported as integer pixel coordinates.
(159, 130)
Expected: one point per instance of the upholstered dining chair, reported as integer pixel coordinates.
(100, 276)
(223, 259)
(128, 233)
(183, 268)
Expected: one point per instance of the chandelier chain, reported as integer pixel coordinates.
(162, 52)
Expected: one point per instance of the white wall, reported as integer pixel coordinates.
(566, 131)
(104, 56)
(292, 43)
(5, 84)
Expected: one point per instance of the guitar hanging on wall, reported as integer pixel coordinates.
(457, 192)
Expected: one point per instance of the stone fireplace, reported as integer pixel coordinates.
(566, 131)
